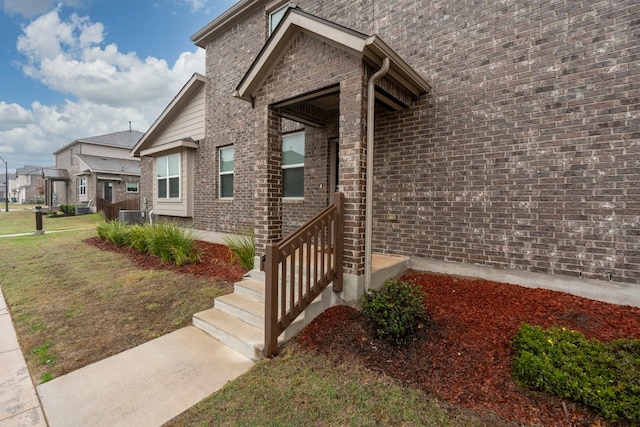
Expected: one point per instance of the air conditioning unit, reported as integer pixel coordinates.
(132, 217)
(83, 210)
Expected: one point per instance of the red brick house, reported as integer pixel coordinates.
(493, 139)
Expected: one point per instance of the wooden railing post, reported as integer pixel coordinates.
(271, 301)
(338, 201)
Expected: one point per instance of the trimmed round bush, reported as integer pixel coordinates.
(395, 311)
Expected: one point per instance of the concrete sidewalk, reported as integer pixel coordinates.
(145, 386)
(44, 232)
(19, 404)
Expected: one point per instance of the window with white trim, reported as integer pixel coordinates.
(293, 165)
(82, 186)
(227, 164)
(276, 15)
(132, 187)
(168, 176)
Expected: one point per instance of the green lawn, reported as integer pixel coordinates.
(73, 304)
(22, 219)
(304, 388)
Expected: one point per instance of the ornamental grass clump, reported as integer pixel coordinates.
(604, 376)
(243, 248)
(115, 232)
(168, 242)
(396, 311)
(173, 244)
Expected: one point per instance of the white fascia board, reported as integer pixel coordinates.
(182, 143)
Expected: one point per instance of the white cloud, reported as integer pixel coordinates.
(107, 88)
(43, 129)
(68, 56)
(13, 115)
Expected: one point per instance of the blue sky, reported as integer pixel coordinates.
(77, 68)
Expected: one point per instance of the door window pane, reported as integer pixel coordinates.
(293, 165)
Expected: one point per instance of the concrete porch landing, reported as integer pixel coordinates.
(145, 386)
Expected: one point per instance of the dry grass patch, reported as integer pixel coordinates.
(74, 304)
(306, 388)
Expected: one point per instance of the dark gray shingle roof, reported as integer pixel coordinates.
(125, 139)
(110, 165)
(29, 170)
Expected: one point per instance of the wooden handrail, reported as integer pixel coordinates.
(300, 267)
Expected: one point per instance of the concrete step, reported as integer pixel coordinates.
(246, 309)
(231, 331)
(237, 319)
(250, 288)
(256, 275)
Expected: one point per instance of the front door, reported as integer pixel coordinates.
(108, 191)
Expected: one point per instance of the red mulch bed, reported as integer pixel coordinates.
(215, 260)
(463, 355)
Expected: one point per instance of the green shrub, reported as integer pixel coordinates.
(173, 244)
(140, 237)
(395, 311)
(167, 241)
(115, 232)
(243, 248)
(563, 362)
(68, 209)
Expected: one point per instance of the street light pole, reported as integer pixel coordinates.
(6, 185)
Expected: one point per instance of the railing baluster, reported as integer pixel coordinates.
(309, 255)
(323, 232)
(315, 257)
(292, 280)
(283, 286)
(300, 263)
(322, 237)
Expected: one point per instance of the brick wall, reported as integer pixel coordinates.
(146, 182)
(229, 121)
(524, 156)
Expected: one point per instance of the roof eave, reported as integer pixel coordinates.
(227, 18)
(180, 143)
(195, 84)
(376, 50)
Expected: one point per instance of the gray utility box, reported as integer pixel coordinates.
(83, 210)
(132, 217)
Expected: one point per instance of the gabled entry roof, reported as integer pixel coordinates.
(295, 22)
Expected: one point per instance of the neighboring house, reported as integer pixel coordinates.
(95, 167)
(3, 187)
(503, 136)
(29, 185)
(13, 192)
